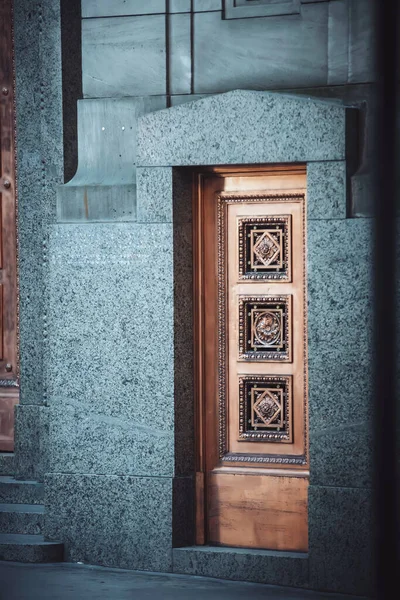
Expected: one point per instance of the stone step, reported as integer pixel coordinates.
(30, 549)
(6, 463)
(21, 518)
(13, 491)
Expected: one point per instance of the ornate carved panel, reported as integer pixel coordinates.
(261, 231)
(265, 412)
(264, 248)
(265, 328)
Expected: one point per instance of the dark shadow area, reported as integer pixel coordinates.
(71, 59)
(385, 422)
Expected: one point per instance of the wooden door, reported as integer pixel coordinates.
(251, 359)
(8, 244)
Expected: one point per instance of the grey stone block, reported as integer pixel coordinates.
(114, 8)
(96, 203)
(177, 6)
(242, 564)
(29, 549)
(243, 127)
(21, 518)
(340, 351)
(86, 441)
(20, 492)
(362, 42)
(326, 183)
(338, 42)
(6, 463)
(124, 56)
(31, 442)
(106, 138)
(124, 522)
(180, 63)
(249, 53)
(103, 188)
(340, 547)
(206, 5)
(154, 195)
(37, 43)
(164, 195)
(111, 327)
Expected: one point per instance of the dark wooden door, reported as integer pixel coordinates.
(252, 367)
(8, 236)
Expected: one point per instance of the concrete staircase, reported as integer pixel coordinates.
(22, 518)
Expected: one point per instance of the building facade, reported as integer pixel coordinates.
(193, 194)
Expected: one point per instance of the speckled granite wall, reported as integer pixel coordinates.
(40, 170)
(120, 369)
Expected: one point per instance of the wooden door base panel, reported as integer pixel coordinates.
(258, 512)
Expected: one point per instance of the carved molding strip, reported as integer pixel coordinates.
(266, 458)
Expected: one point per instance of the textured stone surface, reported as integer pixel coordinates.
(111, 326)
(20, 492)
(243, 127)
(124, 56)
(86, 440)
(40, 168)
(340, 540)
(164, 195)
(31, 442)
(112, 521)
(154, 195)
(340, 352)
(184, 401)
(326, 184)
(21, 518)
(260, 566)
(29, 549)
(6, 463)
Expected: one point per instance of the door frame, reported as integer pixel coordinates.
(10, 362)
(200, 176)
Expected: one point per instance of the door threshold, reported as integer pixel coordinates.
(274, 567)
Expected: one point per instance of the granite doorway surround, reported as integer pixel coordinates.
(119, 487)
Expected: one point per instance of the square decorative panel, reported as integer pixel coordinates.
(265, 328)
(265, 408)
(264, 248)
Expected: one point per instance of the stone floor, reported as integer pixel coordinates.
(65, 581)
